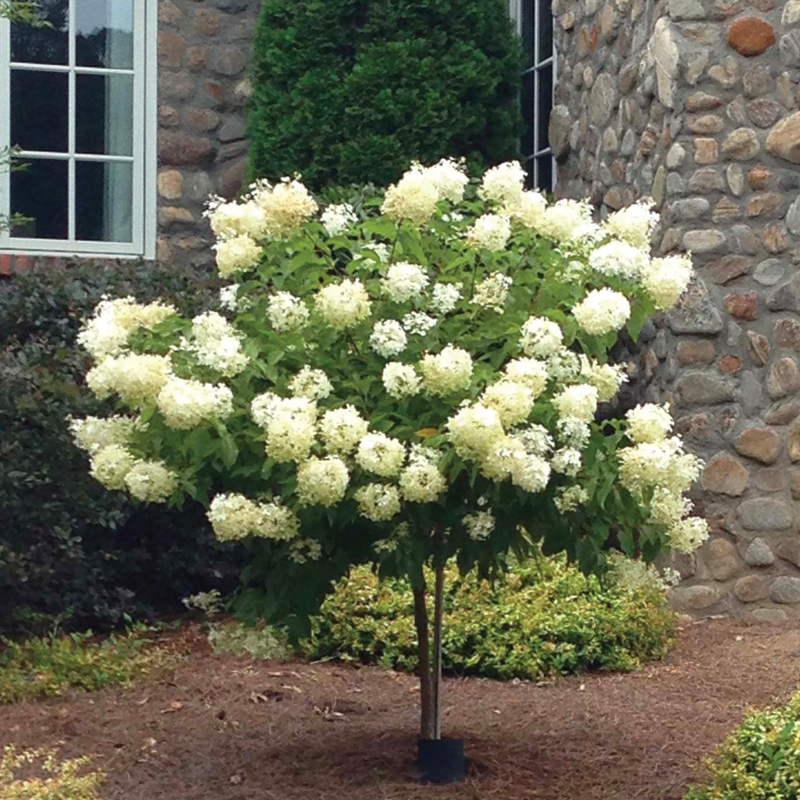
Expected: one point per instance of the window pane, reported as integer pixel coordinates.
(39, 110)
(527, 113)
(527, 27)
(43, 45)
(104, 114)
(40, 192)
(103, 201)
(104, 33)
(544, 173)
(545, 30)
(544, 106)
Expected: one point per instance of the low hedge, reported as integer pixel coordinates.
(759, 761)
(67, 547)
(542, 619)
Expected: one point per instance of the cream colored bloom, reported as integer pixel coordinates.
(473, 430)
(151, 481)
(311, 383)
(633, 224)
(110, 466)
(512, 401)
(649, 423)
(401, 380)
(480, 525)
(413, 198)
(490, 232)
(380, 454)
(286, 312)
(338, 218)
(602, 311)
(236, 255)
(286, 206)
(493, 291)
(94, 433)
(388, 338)
(342, 429)
(579, 401)
(619, 259)
(378, 502)
(185, 404)
(404, 282)
(529, 372)
(540, 337)
(343, 305)
(666, 279)
(137, 379)
(322, 481)
(422, 482)
(503, 184)
(449, 371)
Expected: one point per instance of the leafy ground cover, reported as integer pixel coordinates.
(233, 728)
(48, 666)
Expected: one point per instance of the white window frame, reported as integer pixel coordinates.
(516, 11)
(144, 158)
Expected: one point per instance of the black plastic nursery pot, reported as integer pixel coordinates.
(442, 760)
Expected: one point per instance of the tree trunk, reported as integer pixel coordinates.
(438, 618)
(427, 701)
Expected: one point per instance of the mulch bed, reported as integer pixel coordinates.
(229, 729)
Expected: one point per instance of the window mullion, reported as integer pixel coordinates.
(71, 124)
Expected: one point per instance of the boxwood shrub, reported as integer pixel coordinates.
(759, 761)
(353, 90)
(69, 549)
(543, 618)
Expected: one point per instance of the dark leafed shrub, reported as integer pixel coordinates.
(67, 547)
(354, 90)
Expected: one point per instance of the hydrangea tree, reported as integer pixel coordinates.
(402, 385)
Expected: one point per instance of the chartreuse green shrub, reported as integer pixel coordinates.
(759, 761)
(50, 665)
(41, 775)
(351, 91)
(541, 619)
(400, 390)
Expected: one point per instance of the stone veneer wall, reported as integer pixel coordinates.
(695, 103)
(203, 54)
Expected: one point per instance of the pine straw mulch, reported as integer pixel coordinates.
(219, 728)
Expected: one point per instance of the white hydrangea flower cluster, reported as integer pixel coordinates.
(236, 255)
(312, 384)
(401, 380)
(649, 423)
(620, 260)
(480, 525)
(635, 575)
(228, 297)
(634, 224)
(445, 297)
(446, 372)
(602, 311)
(151, 481)
(492, 292)
(449, 177)
(606, 378)
(421, 481)
(567, 461)
(503, 184)
(108, 331)
(512, 401)
(216, 344)
(235, 517)
(322, 481)
(414, 197)
(137, 379)
(110, 464)
(343, 305)
(304, 550)
(380, 249)
(185, 404)
(388, 338)
(342, 429)
(579, 402)
(418, 323)
(381, 454)
(666, 279)
(529, 209)
(286, 312)
(404, 282)
(490, 232)
(338, 218)
(378, 502)
(528, 371)
(571, 498)
(540, 337)
(573, 433)
(285, 206)
(290, 425)
(231, 219)
(567, 221)
(94, 433)
(117, 469)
